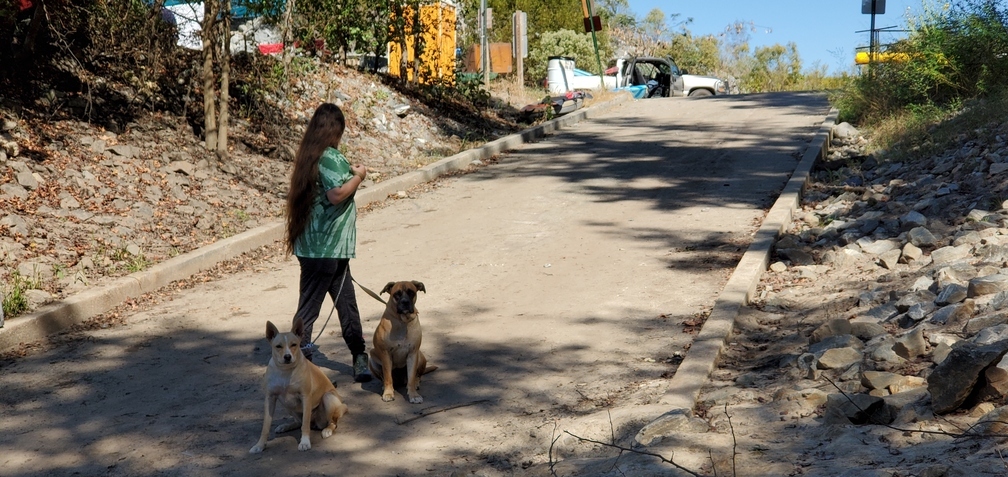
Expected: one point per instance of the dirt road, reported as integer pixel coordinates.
(558, 284)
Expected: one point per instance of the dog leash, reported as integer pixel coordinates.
(319, 335)
(369, 292)
(342, 281)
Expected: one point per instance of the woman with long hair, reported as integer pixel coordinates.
(322, 231)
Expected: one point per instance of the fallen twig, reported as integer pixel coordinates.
(427, 412)
(734, 447)
(635, 451)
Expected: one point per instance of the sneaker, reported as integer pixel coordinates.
(361, 372)
(308, 349)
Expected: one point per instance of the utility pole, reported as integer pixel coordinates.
(484, 44)
(872, 7)
(593, 23)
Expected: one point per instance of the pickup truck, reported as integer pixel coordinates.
(651, 77)
(644, 77)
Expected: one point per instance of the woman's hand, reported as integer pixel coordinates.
(359, 170)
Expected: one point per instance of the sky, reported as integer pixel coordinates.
(824, 30)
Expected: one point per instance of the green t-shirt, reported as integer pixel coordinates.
(332, 229)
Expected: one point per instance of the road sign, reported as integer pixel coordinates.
(519, 21)
(873, 7)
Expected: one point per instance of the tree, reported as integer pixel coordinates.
(562, 43)
(215, 34)
(776, 68)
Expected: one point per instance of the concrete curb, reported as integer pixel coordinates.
(75, 309)
(703, 354)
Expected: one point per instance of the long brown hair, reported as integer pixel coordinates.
(324, 130)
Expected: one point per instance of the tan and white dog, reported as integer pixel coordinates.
(300, 386)
(396, 343)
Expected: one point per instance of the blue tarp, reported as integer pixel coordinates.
(238, 9)
(638, 91)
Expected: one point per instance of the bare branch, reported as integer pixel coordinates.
(965, 434)
(428, 412)
(635, 451)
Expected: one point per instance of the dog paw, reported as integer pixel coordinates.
(304, 445)
(388, 397)
(256, 449)
(416, 399)
(326, 432)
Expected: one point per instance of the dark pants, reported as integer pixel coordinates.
(326, 275)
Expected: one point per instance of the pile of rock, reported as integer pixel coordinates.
(928, 336)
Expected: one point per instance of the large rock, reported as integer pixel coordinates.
(879, 379)
(994, 385)
(922, 237)
(834, 327)
(877, 247)
(845, 409)
(844, 131)
(952, 293)
(796, 256)
(839, 358)
(911, 344)
(913, 219)
(956, 313)
(950, 254)
(908, 406)
(987, 285)
(994, 423)
(675, 422)
(953, 380)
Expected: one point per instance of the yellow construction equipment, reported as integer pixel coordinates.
(863, 58)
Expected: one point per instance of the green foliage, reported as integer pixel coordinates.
(953, 54)
(15, 300)
(697, 55)
(776, 68)
(561, 43)
(543, 16)
(467, 88)
(344, 25)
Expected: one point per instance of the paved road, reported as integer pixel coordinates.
(557, 284)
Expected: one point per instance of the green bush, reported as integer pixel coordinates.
(954, 54)
(561, 43)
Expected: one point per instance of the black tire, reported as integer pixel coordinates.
(697, 93)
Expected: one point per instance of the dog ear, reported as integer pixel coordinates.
(419, 286)
(271, 331)
(298, 327)
(388, 288)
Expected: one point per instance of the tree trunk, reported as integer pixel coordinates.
(418, 45)
(225, 61)
(28, 47)
(210, 37)
(288, 44)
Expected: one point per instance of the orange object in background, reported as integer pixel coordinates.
(437, 34)
(500, 59)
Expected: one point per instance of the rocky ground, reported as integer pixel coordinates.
(876, 341)
(80, 203)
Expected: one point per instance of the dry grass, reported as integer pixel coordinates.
(518, 95)
(515, 94)
(926, 131)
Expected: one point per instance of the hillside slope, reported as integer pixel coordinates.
(80, 203)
